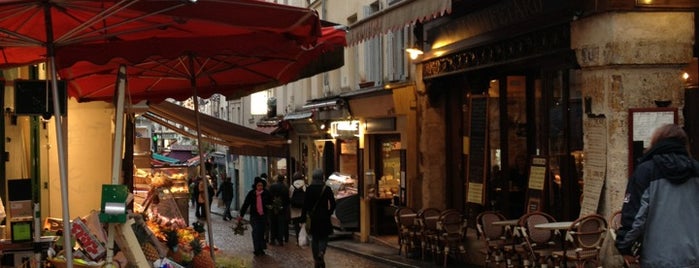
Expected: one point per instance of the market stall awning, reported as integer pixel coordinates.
(395, 17)
(165, 159)
(242, 140)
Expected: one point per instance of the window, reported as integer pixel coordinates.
(372, 48)
(396, 63)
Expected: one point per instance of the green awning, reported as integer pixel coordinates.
(165, 159)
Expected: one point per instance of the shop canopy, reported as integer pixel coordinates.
(241, 140)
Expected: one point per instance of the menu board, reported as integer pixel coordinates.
(477, 149)
(642, 123)
(537, 182)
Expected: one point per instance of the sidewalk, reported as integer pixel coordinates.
(385, 248)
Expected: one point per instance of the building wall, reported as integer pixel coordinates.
(629, 60)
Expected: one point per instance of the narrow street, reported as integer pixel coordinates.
(290, 255)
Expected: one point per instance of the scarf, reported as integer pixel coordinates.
(260, 208)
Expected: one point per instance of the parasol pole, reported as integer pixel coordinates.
(62, 155)
(207, 207)
(119, 124)
(116, 154)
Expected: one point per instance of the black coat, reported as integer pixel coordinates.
(226, 191)
(250, 201)
(320, 217)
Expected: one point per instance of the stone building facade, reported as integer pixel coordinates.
(597, 61)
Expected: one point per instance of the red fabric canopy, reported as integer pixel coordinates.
(234, 66)
(24, 26)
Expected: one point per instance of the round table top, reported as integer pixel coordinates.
(559, 225)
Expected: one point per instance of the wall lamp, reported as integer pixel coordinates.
(414, 52)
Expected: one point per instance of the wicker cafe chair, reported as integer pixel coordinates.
(615, 223)
(538, 244)
(494, 236)
(587, 234)
(427, 220)
(452, 233)
(407, 229)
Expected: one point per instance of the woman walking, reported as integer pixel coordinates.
(319, 205)
(258, 199)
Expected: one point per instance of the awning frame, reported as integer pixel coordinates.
(241, 139)
(395, 17)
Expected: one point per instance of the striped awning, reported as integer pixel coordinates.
(395, 17)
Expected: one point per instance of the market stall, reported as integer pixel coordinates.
(346, 216)
(163, 183)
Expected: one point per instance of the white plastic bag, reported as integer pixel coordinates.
(303, 236)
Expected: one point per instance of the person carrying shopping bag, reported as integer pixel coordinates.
(319, 206)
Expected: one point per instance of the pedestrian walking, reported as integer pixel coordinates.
(319, 205)
(661, 205)
(278, 217)
(258, 200)
(225, 191)
(297, 195)
(201, 198)
(194, 191)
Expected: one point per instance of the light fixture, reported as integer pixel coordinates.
(414, 52)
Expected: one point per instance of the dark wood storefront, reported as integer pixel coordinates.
(526, 43)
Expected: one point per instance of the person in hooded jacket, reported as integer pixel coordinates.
(258, 200)
(661, 205)
(320, 205)
(298, 182)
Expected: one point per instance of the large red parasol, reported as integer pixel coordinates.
(29, 30)
(33, 31)
(233, 66)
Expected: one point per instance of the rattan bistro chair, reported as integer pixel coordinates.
(405, 219)
(495, 236)
(427, 220)
(452, 233)
(587, 234)
(538, 244)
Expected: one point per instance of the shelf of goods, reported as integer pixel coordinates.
(346, 216)
(159, 185)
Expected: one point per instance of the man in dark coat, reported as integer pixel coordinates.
(320, 205)
(225, 191)
(278, 218)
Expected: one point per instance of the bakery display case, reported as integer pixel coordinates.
(346, 216)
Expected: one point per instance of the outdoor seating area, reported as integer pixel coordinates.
(432, 233)
(537, 239)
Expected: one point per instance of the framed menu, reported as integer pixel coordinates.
(642, 124)
(538, 168)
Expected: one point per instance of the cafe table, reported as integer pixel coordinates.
(561, 226)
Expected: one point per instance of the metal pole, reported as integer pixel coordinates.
(207, 207)
(62, 155)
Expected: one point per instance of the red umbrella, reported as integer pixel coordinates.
(233, 66)
(33, 31)
(30, 30)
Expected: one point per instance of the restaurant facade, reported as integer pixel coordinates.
(545, 104)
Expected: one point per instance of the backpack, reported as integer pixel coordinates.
(297, 197)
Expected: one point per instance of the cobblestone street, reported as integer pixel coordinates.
(289, 255)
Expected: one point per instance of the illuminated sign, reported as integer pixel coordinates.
(345, 128)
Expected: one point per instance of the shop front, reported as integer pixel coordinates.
(383, 141)
(535, 111)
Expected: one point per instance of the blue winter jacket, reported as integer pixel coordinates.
(665, 190)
